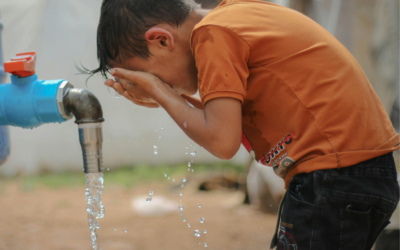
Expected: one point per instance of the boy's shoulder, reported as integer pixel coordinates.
(240, 15)
(231, 12)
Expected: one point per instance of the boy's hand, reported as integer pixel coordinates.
(218, 128)
(138, 87)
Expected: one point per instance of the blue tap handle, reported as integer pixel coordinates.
(28, 102)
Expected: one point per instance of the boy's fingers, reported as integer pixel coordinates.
(109, 82)
(131, 76)
(126, 84)
(117, 86)
(145, 104)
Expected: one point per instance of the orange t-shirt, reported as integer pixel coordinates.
(306, 103)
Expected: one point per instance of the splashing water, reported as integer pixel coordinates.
(94, 207)
(197, 233)
(201, 220)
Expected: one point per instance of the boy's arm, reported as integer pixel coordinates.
(217, 128)
(194, 100)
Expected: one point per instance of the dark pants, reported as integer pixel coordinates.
(341, 209)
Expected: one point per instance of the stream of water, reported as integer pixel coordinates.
(94, 207)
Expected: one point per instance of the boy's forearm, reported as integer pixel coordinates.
(206, 133)
(194, 100)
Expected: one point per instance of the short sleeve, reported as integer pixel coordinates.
(221, 59)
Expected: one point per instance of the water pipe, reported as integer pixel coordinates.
(28, 102)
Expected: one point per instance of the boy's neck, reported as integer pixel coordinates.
(185, 31)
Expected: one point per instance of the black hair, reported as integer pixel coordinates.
(123, 24)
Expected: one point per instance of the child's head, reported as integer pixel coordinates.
(151, 36)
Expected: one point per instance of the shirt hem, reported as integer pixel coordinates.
(220, 94)
(336, 160)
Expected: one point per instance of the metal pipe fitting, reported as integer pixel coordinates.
(89, 116)
(91, 140)
(84, 105)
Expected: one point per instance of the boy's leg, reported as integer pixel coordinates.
(339, 209)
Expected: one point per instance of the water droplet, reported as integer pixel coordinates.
(199, 205)
(201, 220)
(193, 153)
(184, 220)
(115, 229)
(130, 156)
(173, 180)
(148, 199)
(192, 170)
(151, 192)
(180, 194)
(108, 169)
(159, 137)
(184, 180)
(197, 233)
(205, 231)
(180, 200)
(188, 225)
(126, 231)
(188, 169)
(117, 95)
(181, 208)
(155, 147)
(165, 175)
(189, 164)
(162, 128)
(205, 245)
(155, 151)
(187, 147)
(169, 178)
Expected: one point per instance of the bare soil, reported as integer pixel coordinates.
(47, 218)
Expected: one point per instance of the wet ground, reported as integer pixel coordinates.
(55, 218)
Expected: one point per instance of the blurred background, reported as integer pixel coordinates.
(42, 184)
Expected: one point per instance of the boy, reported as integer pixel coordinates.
(274, 80)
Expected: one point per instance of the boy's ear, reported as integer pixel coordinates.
(160, 37)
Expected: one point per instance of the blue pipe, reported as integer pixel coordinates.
(28, 102)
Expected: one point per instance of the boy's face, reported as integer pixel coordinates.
(177, 68)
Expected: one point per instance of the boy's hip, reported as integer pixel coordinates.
(376, 177)
(339, 208)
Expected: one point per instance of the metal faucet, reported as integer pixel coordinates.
(28, 102)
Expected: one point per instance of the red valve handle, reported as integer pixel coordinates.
(22, 65)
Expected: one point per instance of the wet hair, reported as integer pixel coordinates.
(123, 24)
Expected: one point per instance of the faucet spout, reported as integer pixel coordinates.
(89, 116)
(84, 105)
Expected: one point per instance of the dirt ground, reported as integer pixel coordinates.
(46, 218)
